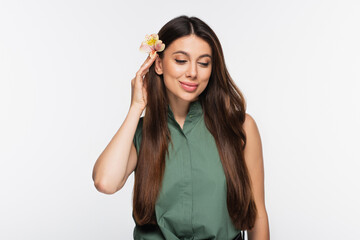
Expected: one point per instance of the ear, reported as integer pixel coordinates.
(158, 65)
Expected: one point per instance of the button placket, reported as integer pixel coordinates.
(195, 111)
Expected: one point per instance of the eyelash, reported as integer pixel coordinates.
(183, 61)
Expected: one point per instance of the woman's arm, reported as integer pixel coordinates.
(254, 161)
(110, 169)
(119, 158)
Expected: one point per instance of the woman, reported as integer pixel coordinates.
(196, 154)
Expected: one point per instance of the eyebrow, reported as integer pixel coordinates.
(187, 54)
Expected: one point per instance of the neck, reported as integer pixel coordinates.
(179, 107)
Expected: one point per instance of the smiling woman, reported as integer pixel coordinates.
(185, 65)
(196, 154)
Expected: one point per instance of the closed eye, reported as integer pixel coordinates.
(180, 61)
(184, 61)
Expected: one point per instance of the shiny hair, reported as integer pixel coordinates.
(224, 114)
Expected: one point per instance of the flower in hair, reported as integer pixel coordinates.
(152, 44)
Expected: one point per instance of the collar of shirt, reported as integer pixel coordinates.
(194, 114)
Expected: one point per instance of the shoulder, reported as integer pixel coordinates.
(253, 140)
(249, 123)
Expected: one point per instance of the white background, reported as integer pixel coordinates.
(65, 71)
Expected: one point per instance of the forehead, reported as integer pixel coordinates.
(191, 44)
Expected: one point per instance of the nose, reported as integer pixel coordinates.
(192, 71)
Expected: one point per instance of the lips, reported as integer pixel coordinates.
(189, 87)
(190, 84)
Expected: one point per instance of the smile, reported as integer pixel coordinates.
(190, 87)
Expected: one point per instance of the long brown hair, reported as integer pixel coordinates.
(224, 110)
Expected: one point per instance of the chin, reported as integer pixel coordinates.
(182, 95)
(189, 97)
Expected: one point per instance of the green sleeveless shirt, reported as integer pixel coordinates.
(192, 200)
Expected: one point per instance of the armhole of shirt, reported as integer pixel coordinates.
(137, 135)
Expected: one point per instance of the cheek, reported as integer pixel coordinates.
(205, 75)
(204, 85)
(205, 78)
(173, 70)
(208, 73)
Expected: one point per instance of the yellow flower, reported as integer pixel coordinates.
(152, 44)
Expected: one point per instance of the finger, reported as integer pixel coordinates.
(140, 75)
(146, 65)
(146, 60)
(144, 69)
(140, 78)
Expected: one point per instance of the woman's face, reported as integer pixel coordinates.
(186, 61)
